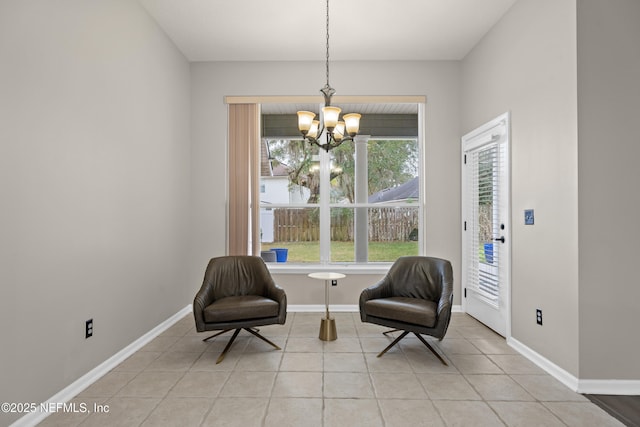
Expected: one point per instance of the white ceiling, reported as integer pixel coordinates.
(294, 30)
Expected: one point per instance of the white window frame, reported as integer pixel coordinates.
(325, 264)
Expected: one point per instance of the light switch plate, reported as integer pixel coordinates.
(528, 217)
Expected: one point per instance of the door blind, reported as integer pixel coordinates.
(483, 270)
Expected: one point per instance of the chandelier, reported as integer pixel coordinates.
(337, 131)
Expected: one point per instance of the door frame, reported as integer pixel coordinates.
(504, 119)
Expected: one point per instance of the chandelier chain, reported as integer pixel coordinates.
(327, 27)
(332, 127)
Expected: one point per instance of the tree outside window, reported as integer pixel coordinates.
(292, 204)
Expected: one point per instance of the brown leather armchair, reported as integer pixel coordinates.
(415, 296)
(238, 292)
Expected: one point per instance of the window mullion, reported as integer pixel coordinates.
(361, 214)
(325, 213)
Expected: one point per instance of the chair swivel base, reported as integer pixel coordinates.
(252, 331)
(404, 334)
(328, 329)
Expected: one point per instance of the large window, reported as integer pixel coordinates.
(359, 203)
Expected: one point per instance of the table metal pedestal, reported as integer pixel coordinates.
(327, 324)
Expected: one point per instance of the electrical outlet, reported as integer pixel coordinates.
(539, 316)
(88, 328)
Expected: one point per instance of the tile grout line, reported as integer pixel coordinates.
(360, 334)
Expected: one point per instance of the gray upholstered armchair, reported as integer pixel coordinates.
(238, 292)
(415, 296)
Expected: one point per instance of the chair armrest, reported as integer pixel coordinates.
(446, 297)
(382, 289)
(445, 304)
(276, 293)
(202, 299)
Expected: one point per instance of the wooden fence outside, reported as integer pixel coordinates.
(385, 224)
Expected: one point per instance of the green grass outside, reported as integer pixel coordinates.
(309, 252)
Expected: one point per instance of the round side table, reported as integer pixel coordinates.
(328, 323)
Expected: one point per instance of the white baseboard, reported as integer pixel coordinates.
(551, 368)
(616, 387)
(619, 387)
(319, 308)
(96, 373)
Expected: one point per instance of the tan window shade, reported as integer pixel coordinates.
(244, 137)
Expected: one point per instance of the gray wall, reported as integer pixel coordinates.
(568, 72)
(109, 212)
(439, 81)
(94, 186)
(608, 172)
(527, 65)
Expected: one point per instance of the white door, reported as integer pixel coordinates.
(486, 239)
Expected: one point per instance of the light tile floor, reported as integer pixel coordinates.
(174, 381)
